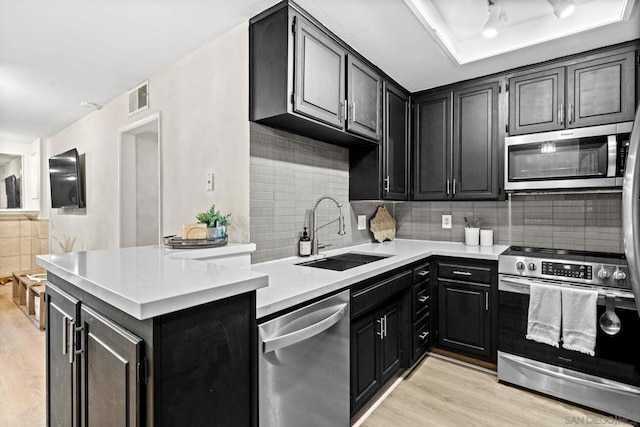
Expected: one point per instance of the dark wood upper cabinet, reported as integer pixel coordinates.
(304, 79)
(536, 101)
(363, 102)
(475, 142)
(432, 147)
(602, 90)
(395, 144)
(319, 83)
(382, 172)
(457, 143)
(592, 90)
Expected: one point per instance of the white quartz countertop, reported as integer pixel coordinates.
(149, 281)
(291, 284)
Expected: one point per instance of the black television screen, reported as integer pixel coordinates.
(66, 181)
(12, 189)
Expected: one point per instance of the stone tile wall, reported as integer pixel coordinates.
(289, 172)
(20, 241)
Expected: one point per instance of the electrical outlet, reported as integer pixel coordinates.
(362, 222)
(446, 221)
(210, 181)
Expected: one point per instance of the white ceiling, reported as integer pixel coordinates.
(55, 54)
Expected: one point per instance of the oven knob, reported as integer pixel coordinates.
(604, 274)
(619, 275)
(520, 265)
(532, 266)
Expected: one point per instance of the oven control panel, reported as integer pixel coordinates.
(561, 269)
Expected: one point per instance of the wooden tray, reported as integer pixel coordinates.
(175, 242)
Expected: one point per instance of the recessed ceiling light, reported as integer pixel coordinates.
(88, 104)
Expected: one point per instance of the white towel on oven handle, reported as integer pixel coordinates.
(545, 311)
(579, 319)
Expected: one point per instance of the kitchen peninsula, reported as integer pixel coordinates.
(151, 336)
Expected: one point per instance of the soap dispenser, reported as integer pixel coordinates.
(304, 246)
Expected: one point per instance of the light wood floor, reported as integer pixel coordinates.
(22, 366)
(442, 393)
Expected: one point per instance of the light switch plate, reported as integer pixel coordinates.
(210, 181)
(362, 222)
(446, 221)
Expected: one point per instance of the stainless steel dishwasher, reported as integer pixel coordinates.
(304, 366)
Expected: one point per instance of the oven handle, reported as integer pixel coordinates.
(618, 388)
(517, 285)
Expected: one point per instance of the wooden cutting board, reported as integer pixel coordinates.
(382, 225)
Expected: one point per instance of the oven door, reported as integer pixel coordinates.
(616, 357)
(580, 158)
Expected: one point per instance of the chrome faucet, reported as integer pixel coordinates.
(314, 223)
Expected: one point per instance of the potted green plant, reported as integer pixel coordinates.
(216, 222)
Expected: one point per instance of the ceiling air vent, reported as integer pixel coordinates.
(139, 98)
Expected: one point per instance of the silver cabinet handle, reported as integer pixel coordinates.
(486, 301)
(65, 334)
(385, 325)
(387, 184)
(454, 186)
(342, 115)
(381, 333)
(423, 335)
(571, 113)
(352, 113)
(448, 186)
(461, 273)
(71, 341)
(295, 337)
(423, 299)
(561, 114)
(423, 273)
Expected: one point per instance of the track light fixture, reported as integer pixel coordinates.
(562, 8)
(494, 22)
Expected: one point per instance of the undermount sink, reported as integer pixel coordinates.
(343, 261)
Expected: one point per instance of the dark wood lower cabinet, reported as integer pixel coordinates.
(464, 317)
(193, 367)
(466, 293)
(111, 359)
(375, 351)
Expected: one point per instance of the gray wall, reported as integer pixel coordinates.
(289, 172)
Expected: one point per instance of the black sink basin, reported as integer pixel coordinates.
(343, 261)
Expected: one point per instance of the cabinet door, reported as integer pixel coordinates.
(62, 372)
(432, 167)
(319, 77)
(395, 144)
(365, 378)
(364, 89)
(110, 360)
(390, 341)
(601, 91)
(536, 101)
(475, 142)
(463, 317)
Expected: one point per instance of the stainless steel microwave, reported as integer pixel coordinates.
(582, 158)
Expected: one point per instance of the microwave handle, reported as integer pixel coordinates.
(612, 155)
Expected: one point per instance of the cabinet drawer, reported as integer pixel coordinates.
(369, 297)
(420, 299)
(421, 273)
(421, 337)
(474, 273)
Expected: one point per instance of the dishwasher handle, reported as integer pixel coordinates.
(295, 337)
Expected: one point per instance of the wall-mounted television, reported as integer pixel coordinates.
(12, 188)
(66, 180)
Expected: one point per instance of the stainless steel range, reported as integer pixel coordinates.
(608, 381)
